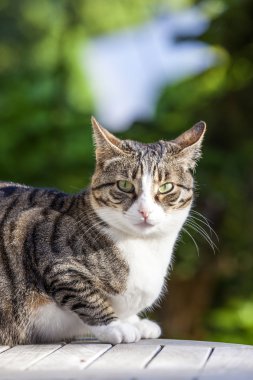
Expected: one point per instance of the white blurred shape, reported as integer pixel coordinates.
(128, 69)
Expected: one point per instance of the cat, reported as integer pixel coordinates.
(91, 262)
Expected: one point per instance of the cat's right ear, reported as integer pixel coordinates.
(190, 143)
(107, 145)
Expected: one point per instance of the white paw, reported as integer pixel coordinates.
(148, 329)
(116, 332)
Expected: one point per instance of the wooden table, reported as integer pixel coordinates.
(148, 359)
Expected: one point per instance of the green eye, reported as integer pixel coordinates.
(165, 188)
(125, 186)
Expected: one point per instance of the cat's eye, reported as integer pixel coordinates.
(165, 188)
(125, 186)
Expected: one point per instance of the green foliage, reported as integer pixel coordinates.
(45, 138)
(232, 322)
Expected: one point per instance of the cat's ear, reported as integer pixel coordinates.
(189, 144)
(107, 145)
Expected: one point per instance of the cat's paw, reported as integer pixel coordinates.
(148, 329)
(117, 332)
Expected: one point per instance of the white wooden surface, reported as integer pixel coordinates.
(230, 362)
(127, 356)
(155, 359)
(71, 357)
(22, 357)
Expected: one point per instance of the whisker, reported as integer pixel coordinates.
(200, 215)
(206, 224)
(193, 225)
(194, 241)
(204, 235)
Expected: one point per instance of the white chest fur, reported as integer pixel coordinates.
(148, 256)
(148, 260)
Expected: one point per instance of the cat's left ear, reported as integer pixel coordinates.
(190, 143)
(107, 145)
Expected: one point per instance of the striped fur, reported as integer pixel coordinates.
(58, 251)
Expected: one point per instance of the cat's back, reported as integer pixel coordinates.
(14, 198)
(22, 206)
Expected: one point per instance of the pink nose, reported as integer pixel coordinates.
(144, 213)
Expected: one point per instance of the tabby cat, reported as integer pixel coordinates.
(72, 264)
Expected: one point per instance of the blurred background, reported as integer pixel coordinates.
(148, 70)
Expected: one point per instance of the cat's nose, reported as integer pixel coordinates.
(144, 214)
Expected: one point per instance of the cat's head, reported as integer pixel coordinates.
(145, 189)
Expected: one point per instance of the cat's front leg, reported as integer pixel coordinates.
(77, 292)
(148, 329)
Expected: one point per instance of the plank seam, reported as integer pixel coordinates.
(7, 349)
(204, 365)
(152, 357)
(210, 354)
(98, 357)
(43, 357)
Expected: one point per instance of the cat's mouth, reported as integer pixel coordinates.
(144, 225)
